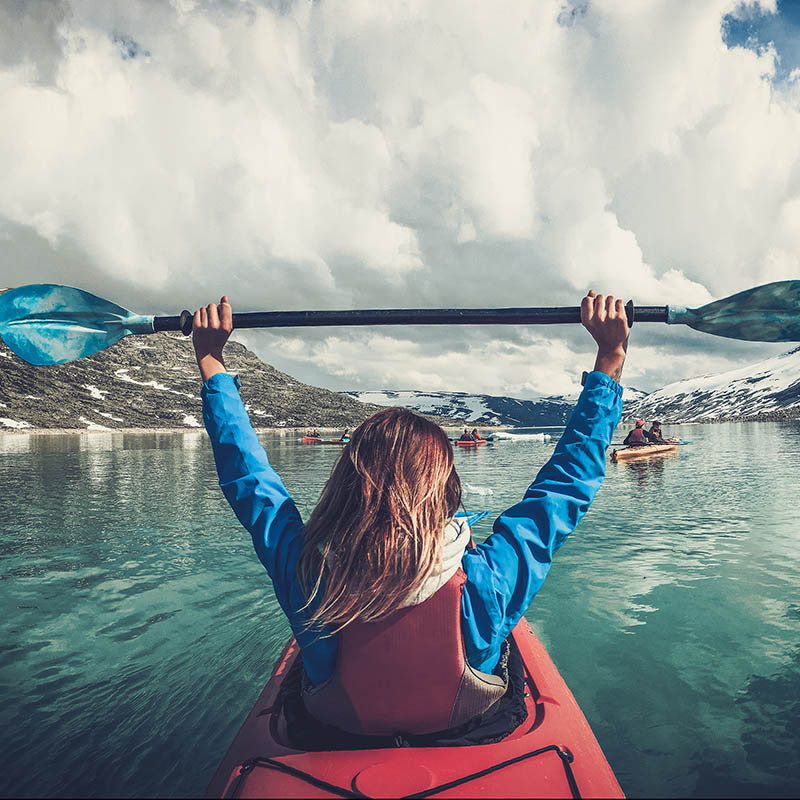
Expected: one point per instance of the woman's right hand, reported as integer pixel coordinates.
(606, 320)
(211, 328)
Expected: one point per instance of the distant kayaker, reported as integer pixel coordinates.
(475, 436)
(638, 436)
(656, 435)
(403, 625)
(465, 437)
(345, 437)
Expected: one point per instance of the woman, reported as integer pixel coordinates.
(403, 625)
(637, 436)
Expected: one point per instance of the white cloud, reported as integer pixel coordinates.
(349, 153)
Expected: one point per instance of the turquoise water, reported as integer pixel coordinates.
(137, 627)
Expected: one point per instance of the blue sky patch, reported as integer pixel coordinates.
(755, 29)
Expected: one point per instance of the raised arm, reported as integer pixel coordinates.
(252, 487)
(505, 572)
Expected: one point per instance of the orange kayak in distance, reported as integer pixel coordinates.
(643, 450)
(553, 753)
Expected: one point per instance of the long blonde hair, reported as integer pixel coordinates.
(376, 533)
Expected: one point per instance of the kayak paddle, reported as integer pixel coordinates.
(49, 324)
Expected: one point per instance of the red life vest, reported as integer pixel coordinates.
(406, 673)
(636, 436)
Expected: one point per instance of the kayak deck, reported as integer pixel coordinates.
(643, 450)
(552, 754)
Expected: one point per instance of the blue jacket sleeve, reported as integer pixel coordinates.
(254, 490)
(262, 504)
(505, 572)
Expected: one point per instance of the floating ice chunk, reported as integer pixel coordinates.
(482, 490)
(522, 437)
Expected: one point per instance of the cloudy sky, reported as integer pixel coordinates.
(355, 154)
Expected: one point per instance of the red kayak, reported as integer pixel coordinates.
(317, 440)
(552, 754)
(471, 442)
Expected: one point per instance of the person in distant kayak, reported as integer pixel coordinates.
(475, 436)
(465, 437)
(656, 435)
(638, 436)
(345, 437)
(403, 624)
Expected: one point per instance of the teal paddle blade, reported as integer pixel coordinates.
(49, 324)
(768, 313)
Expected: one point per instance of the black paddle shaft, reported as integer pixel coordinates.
(412, 316)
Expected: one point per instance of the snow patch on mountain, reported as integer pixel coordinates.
(97, 394)
(14, 423)
(122, 374)
(109, 415)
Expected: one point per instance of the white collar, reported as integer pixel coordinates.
(456, 540)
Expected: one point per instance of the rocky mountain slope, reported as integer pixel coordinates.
(483, 409)
(767, 390)
(152, 382)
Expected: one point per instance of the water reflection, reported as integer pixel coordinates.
(647, 470)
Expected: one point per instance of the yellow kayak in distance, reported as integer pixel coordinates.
(643, 451)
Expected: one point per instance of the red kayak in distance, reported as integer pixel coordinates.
(471, 442)
(552, 754)
(317, 440)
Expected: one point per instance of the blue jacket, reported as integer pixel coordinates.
(503, 573)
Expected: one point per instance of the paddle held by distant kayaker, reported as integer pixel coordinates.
(403, 625)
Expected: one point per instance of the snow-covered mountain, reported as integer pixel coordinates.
(766, 390)
(483, 409)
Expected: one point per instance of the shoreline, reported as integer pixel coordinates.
(303, 431)
(202, 430)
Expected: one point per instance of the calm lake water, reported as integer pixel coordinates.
(137, 626)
